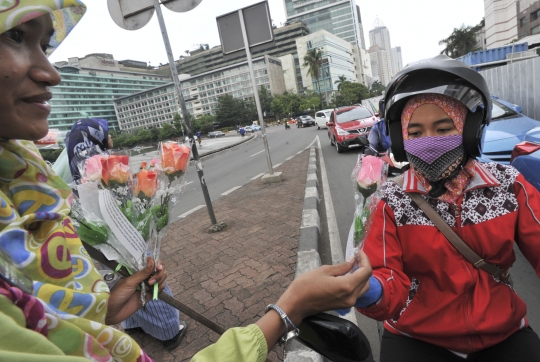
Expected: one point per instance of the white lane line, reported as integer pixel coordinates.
(290, 158)
(230, 191)
(279, 164)
(259, 175)
(191, 211)
(187, 183)
(333, 232)
(255, 154)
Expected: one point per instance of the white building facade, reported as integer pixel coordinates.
(501, 22)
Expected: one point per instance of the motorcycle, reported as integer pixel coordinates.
(287, 126)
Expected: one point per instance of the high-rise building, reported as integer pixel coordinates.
(381, 65)
(340, 18)
(501, 22)
(90, 84)
(209, 60)
(381, 51)
(336, 17)
(397, 60)
(156, 106)
(338, 59)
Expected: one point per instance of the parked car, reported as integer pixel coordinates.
(255, 127)
(215, 134)
(507, 128)
(348, 127)
(526, 157)
(322, 117)
(305, 121)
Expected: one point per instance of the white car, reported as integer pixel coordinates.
(322, 117)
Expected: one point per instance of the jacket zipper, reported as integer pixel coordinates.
(457, 215)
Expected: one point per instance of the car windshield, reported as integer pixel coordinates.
(353, 114)
(305, 117)
(500, 111)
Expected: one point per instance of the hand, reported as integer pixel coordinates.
(125, 299)
(326, 288)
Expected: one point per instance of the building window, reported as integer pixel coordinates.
(535, 15)
(535, 30)
(522, 22)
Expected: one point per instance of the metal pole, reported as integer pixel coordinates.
(255, 91)
(185, 113)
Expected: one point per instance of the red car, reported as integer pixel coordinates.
(349, 127)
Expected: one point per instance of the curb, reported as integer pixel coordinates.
(209, 153)
(308, 257)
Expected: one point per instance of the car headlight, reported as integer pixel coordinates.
(341, 132)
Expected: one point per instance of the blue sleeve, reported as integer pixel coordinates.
(372, 296)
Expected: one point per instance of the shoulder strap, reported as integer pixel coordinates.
(455, 240)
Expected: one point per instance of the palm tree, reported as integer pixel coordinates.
(312, 61)
(462, 41)
(340, 81)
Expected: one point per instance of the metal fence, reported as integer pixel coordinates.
(518, 83)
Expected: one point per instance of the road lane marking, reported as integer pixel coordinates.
(333, 232)
(290, 158)
(255, 154)
(191, 211)
(230, 191)
(279, 164)
(259, 175)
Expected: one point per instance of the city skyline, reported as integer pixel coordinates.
(417, 32)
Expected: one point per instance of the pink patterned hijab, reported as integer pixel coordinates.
(458, 113)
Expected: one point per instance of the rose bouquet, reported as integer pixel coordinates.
(368, 175)
(124, 214)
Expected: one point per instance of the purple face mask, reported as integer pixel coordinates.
(435, 157)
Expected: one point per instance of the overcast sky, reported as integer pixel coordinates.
(415, 25)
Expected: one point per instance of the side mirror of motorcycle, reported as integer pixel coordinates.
(330, 124)
(335, 338)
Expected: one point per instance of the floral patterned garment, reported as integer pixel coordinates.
(36, 232)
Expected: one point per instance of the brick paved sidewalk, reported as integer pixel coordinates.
(231, 276)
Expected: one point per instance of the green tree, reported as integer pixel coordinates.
(247, 111)
(155, 134)
(277, 106)
(226, 111)
(266, 99)
(351, 93)
(144, 136)
(313, 61)
(203, 123)
(166, 132)
(376, 89)
(340, 81)
(462, 41)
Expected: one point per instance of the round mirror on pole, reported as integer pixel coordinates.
(181, 6)
(131, 14)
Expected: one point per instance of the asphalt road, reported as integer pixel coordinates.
(339, 168)
(240, 165)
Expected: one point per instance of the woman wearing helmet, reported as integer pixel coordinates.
(437, 305)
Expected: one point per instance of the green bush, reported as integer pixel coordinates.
(50, 155)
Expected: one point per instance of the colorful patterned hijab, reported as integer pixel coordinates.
(37, 234)
(458, 113)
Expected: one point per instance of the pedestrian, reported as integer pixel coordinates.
(198, 137)
(242, 131)
(60, 309)
(87, 138)
(437, 305)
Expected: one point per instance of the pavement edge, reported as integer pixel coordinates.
(308, 257)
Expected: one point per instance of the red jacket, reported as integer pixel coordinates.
(430, 291)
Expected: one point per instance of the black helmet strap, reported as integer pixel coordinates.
(396, 138)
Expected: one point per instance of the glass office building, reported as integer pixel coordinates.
(89, 93)
(338, 17)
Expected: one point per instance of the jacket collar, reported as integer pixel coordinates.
(482, 178)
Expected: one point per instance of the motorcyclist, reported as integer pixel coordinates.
(437, 305)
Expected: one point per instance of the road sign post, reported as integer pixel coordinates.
(242, 30)
(134, 14)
